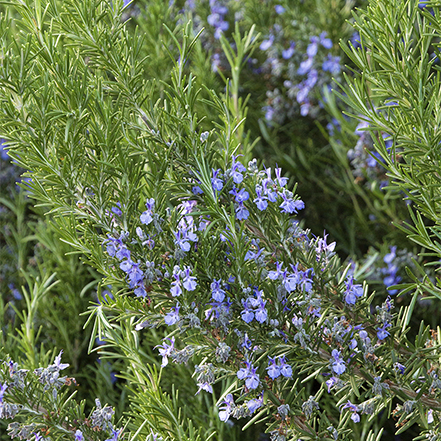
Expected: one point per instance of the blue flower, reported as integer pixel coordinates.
(311, 50)
(175, 289)
(251, 254)
(273, 369)
(274, 275)
(225, 411)
(217, 293)
(57, 363)
(247, 314)
(116, 210)
(207, 387)
(289, 205)
(240, 196)
(399, 368)
(115, 435)
(236, 170)
(79, 435)
(354, 408)
(185, 234)
(189, 282)
(2, 391)
(242, 212)
(324, 41)
(279, 9)
(261, 314)
(331, 64)
(260, 201)
(216, 182)
(147, 216)
(382, 333)
(338, 365)
(266, 44)
(281, 368)
(352, 291)
(305, 66)
(172, 317)
(255, 404)
(288, 53)
(252, 380)
(331, 382)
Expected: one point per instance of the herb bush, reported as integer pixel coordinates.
(201, 266)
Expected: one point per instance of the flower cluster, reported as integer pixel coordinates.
(40, 390)
(297, 73)
(278, 297)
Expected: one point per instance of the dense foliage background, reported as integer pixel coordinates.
(257, 79)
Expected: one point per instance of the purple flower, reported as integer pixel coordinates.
(363, 334)
(400, 368)
(2, 392)
(352, 291)
(196, 190)
(58, 363)
(311, 50)
(304, 108)
(312, 79)
(225, 411)
(354, 408)
(338, 365)
(331, 64)
(175, 289)
(289, 205)
(261, 314)
(216, 182)
(274, 275)
(278, 367)
(260, 201)
(236, 171)
(189, 282)
(185, 233)
(305, 282)
(281, 180)
(279, 9)
(305, 66)
(290, 281)
(285, 369)
(207, 387)
(324, 41)
(331, 382)
(255, 404)
(251, 254)
(240, 196)
(324, 247)
(269, 112)
(288, 53)
(249, 374)
(247, 314)
(215, 63)
(218, 309)
(382, 333)
(241, 212)
(115, 435)
(79, 435)
(116, 210)
(147, 216)
(217, 293)
(172, 317)
(266, 44)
